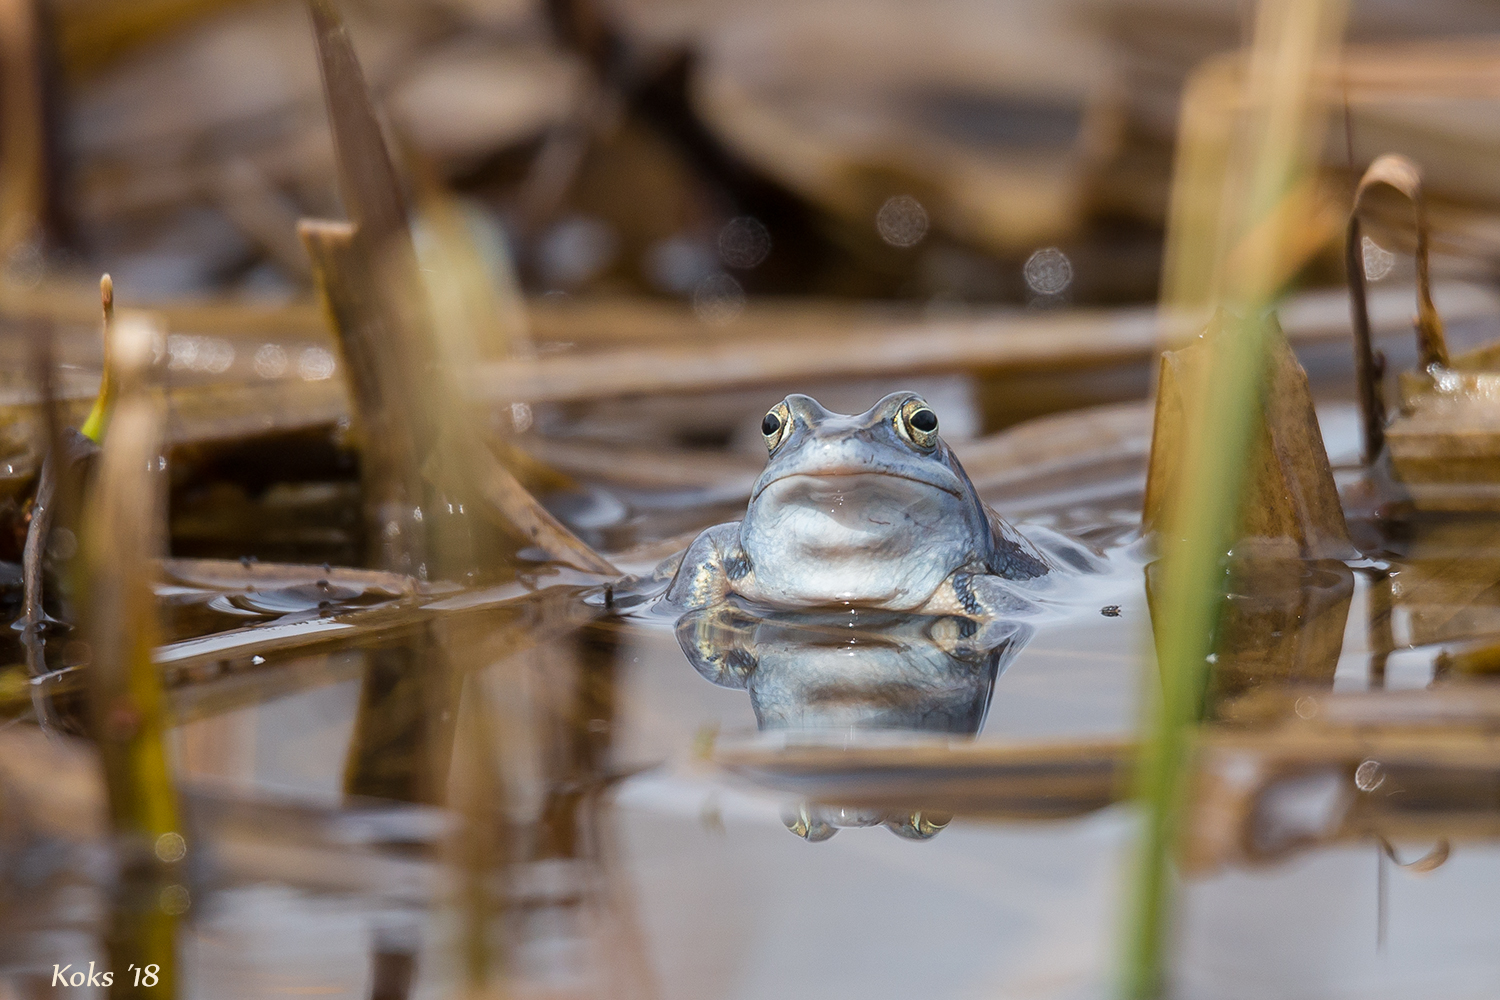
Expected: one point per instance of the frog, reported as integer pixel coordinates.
(867, 510)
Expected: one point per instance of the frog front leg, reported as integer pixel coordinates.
(713, 567)
(981, 596)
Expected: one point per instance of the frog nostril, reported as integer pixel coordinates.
(770, 425)
(925, 421)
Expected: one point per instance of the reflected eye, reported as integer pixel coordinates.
(917, 423)
(775, 425)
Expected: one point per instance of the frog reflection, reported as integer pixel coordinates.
(851, 669)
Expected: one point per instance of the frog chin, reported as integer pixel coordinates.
(872, 540)
(854, 581)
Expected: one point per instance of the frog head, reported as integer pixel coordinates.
(870, 509)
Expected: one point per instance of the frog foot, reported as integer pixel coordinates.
(712, 567)
(981, 596)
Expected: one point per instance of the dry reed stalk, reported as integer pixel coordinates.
(124, 533)
(23, 151)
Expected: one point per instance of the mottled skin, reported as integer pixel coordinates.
(869, 511)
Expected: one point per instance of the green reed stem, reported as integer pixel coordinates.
(1192, 591)
(1273, 148)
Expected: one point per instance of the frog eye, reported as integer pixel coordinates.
(917, 423)
(775, 425)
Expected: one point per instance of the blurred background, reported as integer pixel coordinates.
(689, 152)
(761, 173)
(680, 212)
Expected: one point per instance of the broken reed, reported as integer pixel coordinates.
(1254, 190)
(123, 538)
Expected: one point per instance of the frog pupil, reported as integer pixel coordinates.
(770, 425)
(924, 421)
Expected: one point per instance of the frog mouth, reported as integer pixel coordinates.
(852, 473)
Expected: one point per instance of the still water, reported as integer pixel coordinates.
(646, 868)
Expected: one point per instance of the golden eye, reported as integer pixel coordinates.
(917, 423)
(775, 425)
